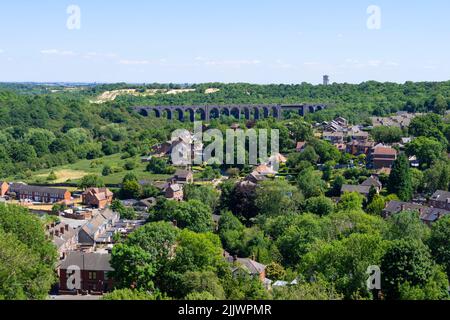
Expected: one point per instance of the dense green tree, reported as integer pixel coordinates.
(133, 267)
(200, 282)
(405, 261)
(25, 250)
(91, 181)
(301, 130)
(400, 179)
(439, 242)
(320, 205)
(310, 183)
(437, 177)
(205, 194)
(305, 291)
(345, 262)
(192, 214)
(350, 201)
(385, 134)
(406, 225)
(277, 197)
(427, 150)
(129, 295)
(131, 189)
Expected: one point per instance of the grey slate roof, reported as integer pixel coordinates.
(441, 196)
(19, 187)
(358, 189)
(92, 261)
(372, 182)
(427, 214)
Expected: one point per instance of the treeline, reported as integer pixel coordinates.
(43, 131)
(356, 102)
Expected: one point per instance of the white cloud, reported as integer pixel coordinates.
(392, 64)
(134, 62)
(284, 65)
(375, 63)
(58, 52)
(1, 51)
(232, 63)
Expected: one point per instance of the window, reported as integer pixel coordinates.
(92, 275)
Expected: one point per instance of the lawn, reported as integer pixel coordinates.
(72, 173)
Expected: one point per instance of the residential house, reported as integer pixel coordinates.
(373, 181)
(362, 190)
(97, 197)
(440, 199)
(4, 187)
(92, 268)
(341, 121)
(333, 137)
(183, 177)
(401, 120)
(383, 157)
(249, 266)
(174, 191)
(100, 229)
(39, 194)
(64, 237)
(427, 214)
(145, 204)
(357, 148)
(358, 135)
(275, 161)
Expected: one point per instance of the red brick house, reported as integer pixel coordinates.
(4, 187)
(383, 157)
(39, 194)
(92, 269)
(97, 197)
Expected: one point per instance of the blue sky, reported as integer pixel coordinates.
(258, 41)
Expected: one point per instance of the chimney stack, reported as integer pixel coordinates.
(57, 233)
(61, 230)
(66, 227)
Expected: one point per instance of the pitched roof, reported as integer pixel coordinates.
(441, 196)
(426, 213)
(372, 182)
(20, 187)
(352, 188)
(175, 187)
(92, 261)
(252, 266)
(264, 170)
(183, 174)
(384, 151)
(91, 227)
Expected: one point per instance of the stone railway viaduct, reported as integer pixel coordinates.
(206, 113)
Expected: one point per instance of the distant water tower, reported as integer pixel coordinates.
(326, 80)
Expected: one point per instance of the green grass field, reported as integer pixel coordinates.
(72, 173)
